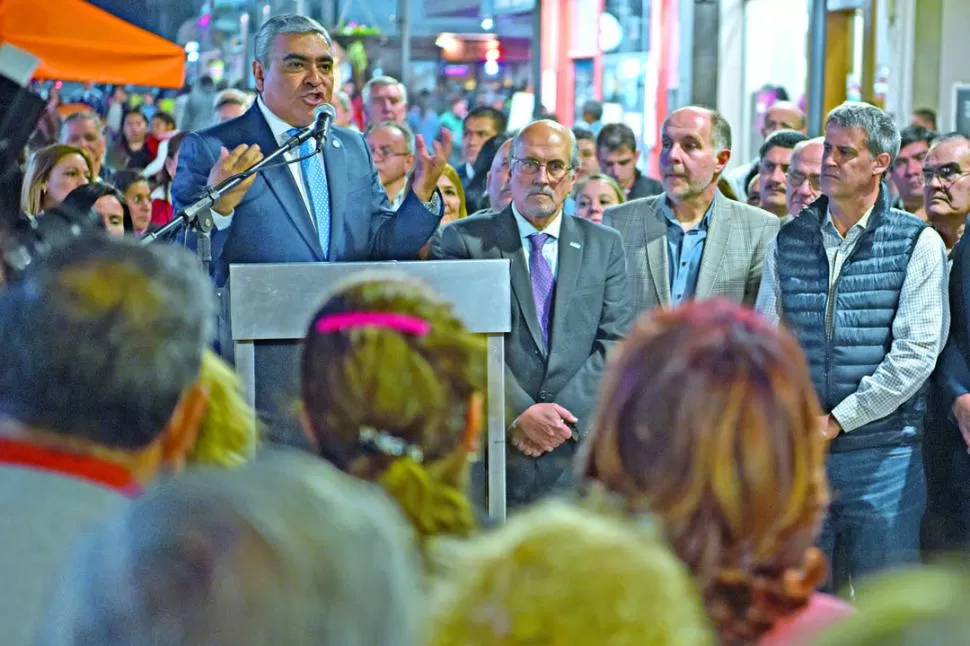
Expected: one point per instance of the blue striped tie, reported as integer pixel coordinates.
(318, 191)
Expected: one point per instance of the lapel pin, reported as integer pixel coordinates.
(575, 245)
(336, 143)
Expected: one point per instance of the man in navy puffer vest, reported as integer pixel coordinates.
(863, 288)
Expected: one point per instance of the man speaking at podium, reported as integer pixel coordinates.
(323, 208)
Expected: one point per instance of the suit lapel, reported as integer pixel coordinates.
(511, 247)
(570, 261)
(655, 237)
(715, 245)
(281, 183)
(335, 165)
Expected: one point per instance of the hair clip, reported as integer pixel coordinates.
(387, 444)
(389, 320)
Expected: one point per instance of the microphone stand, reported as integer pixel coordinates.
(197, 216)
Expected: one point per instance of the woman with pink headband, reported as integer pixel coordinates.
(391, 389)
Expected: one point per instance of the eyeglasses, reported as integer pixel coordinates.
(796, 179)
(385, 151)
(947, 173)
(555, 169)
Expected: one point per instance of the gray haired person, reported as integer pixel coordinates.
(285, 551)
(101, 348)
(863, 287)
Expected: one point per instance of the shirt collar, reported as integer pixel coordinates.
(863, 222)
(73, 465)
(672, 220)
(526, 228)
(279, 128)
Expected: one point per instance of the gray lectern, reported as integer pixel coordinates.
(271, 306)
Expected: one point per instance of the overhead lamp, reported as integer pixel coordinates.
(488, 23)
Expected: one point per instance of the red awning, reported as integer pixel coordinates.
(76, 41)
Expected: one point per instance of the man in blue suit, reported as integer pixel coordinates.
(319, 208)
(315, 210)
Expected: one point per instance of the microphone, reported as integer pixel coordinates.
(325, 116)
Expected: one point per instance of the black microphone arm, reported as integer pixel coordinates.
(198, 215)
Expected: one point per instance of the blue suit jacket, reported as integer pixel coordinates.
(271, 224)
(953, 369)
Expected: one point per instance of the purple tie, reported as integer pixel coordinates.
(542, 282)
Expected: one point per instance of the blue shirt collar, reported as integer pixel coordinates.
(705, 222)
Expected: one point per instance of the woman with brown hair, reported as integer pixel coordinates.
(709, 420)
(391, 389)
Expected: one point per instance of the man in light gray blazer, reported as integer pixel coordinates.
(691, 241)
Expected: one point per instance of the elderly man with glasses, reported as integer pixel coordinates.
(571, 305)
(392, 147)
(803, 181)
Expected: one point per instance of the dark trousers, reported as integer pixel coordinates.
(946, 523)
(878, 499)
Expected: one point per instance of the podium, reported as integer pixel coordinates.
(270, 307)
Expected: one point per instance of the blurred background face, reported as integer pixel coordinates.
(452, 200)
(947, 193)
(475, 132)
(771, 172)
(804, 182)
(228, 111)
(160, 126)
(112, 214)
(907, 172)
(588, 164)
(389, 148)
(86, 134)
(139, 201)
(689, 163)
(68, 173)
(754, 191)
(620, 164)
(782, 116)
(593, 199)
(540, 193)
(497, 182)
(135, 127)
(386, 103)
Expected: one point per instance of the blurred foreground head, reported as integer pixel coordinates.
(285, 551)
(391, 387)
(101, 347)
(562, 576)
(709, 420)
(919, 606)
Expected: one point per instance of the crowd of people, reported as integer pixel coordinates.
(730, 395)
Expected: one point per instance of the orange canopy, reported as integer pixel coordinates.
(76, 41)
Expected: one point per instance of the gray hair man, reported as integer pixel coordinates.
(84, 130)
(571, 305)
(101, 349)
(230, 103)
(774, 160)
(285, 551)
(803, 182)
(946, 186)
(385, 99)
(497, 181)
(392, 146)
(691, 242)
(863, 287)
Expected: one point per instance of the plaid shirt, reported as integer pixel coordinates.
(920, 327)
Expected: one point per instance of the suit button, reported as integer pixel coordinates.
(545, 395)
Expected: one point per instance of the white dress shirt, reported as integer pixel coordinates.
(550, 250)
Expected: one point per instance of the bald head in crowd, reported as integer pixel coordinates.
(804, 180)
(285, 551)
(784, 115)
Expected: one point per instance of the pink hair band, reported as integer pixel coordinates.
(350, 320)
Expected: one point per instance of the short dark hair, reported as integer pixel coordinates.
(584, 134)
(615, 137)
(161, 115)
(102, 339)
(593, 109)
(926, 114)
(79, 204)
(781, 139)
(911, 134)
(488, 112)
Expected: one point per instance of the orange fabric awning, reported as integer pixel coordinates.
(76, 41)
